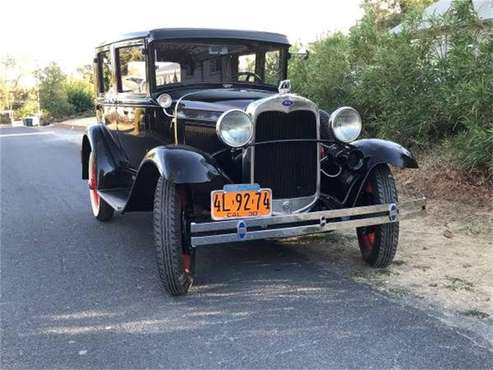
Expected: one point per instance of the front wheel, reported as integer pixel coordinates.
(175, 261)
(378, 243)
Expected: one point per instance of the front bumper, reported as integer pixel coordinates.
(228, 231)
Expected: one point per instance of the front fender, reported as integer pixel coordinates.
(108, 156)
(183, 164)
(379, 151)
(180, 164)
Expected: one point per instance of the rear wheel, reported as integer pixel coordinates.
(174, 260)
(100, 209)
(378, 243)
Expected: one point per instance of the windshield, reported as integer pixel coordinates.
(222, 62)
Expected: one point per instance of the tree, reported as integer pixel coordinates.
(4, 98)
(53, 97)
(410, 5)
(9, 83)
(389, 13)
(86, 73)
(13, 96)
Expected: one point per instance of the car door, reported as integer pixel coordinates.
(107, 92)
(134, 108)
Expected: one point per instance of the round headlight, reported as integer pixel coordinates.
(165, 100)
(234, 127)
(346, 124)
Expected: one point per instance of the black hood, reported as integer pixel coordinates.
(220, 100)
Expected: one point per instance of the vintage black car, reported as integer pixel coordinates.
(199, 126)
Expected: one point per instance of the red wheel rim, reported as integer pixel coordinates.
(187, 263)
(367, 240)
(93, 184)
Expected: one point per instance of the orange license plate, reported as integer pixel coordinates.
(241, 201)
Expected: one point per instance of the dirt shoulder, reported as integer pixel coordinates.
(448, 263)
(447, 256)
(444, 260)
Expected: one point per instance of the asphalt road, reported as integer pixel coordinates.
(76, 293)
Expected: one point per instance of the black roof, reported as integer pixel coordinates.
(199, 33)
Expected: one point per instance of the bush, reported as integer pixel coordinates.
(29, 108)
(80, 95)
(420, 87)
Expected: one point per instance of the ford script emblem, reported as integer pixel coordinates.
(287, 103)
(241, 230)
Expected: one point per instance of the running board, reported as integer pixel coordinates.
(116, 198)
(228, 231)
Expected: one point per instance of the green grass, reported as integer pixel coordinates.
(476, 314)
(458, 284)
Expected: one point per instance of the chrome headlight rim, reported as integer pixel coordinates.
(219, 129)
(164, 100)
(336, 130)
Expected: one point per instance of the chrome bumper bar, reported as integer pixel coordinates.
(228, 231)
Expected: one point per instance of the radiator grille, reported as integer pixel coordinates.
(289, 169)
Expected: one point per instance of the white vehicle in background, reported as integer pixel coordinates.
(31, 121)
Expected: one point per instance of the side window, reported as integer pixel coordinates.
(106, 82)
(272, 67)
(131, 70)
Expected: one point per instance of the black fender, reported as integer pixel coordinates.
(378, 152)
(180, 164)
(109, 157)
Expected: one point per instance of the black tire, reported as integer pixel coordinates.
(100, 209)
(378, 244)
(175, 264)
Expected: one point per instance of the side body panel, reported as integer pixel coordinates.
(141, 127)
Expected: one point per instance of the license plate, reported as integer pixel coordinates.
(241, 201)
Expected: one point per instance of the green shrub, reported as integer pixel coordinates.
(80, 95)
(420, 87)
(326, 75)
(474, 148)
(29, 108)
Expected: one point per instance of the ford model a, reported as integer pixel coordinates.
(200, 127)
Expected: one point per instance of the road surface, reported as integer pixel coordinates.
(76, 293)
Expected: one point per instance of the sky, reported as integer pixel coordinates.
(38, 32)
